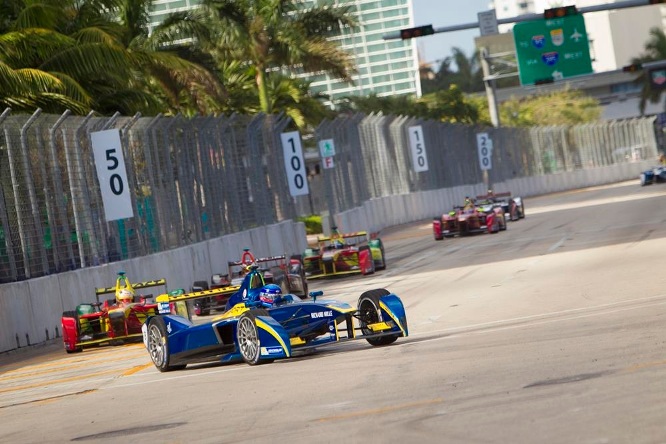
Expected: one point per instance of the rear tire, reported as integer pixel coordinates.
(370, 313)
(158, 346)
(202, 305)
(383, 265)
(372, 261)
(73, 314)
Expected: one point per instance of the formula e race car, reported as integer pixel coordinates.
(513, 207)
(341, 254)
(264, 325)
(111, 320)
(653, 175)
(289, 275)
(119, 320)
(469, 219)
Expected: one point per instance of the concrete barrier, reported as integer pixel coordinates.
(30, 311)
(397, 210)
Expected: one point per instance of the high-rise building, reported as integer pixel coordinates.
(384, 68)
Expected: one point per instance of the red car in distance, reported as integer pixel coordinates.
(469, 219)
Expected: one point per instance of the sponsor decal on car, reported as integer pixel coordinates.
(322, 314)
(267, 351)
(163, 308)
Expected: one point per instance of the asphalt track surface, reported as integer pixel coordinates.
(550, 332)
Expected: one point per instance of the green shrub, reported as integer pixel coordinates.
(312, 223)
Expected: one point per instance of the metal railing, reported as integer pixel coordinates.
(192, 179)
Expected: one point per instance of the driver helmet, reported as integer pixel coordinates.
(125, 296)
(269, 293)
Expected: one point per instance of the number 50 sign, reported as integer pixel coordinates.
(110, 165)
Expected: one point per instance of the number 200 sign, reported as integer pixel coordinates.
(419, 157)
(111, 174)
(485, 146)
(294, 164)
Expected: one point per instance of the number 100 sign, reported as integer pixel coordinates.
(111, 174)
(294, 164)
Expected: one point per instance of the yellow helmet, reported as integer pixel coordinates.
(125, 295)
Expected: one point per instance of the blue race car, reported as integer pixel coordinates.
(262, 325)
(654, 175)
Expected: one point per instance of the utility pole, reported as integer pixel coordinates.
(490, 85)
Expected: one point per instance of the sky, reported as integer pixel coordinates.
(439, 13)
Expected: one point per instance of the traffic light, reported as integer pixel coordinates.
(419, 31)
(560, 12)
(632, 68)
(658, 78)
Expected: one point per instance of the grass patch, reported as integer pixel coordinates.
(312, 223)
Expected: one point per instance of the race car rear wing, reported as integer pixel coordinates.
(258, 260)
(343, 236)
(488, 196)
(136, 286)
(178, 298)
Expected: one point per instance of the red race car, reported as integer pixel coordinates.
(469, 219)
(288, 274)
(112, 320)
(340, 254)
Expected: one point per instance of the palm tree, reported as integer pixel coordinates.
(655, 50)
(469, 76)
(267, 35)
(183, 86)
(75, 55)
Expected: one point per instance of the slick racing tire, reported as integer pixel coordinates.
(383, 265)
(157, 344)
(201, 305)
(372, 262)
(247, 336)
(369, 313)
(74, 315)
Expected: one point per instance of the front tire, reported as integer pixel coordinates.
(247, 336)
(370, 313)
(158, 346)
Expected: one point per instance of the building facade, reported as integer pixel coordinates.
(384, 68)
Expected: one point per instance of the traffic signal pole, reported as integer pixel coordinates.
(490, 86)
(529, 17)
(489, 80)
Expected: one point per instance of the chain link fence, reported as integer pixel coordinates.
(373, 154)
(193, 179)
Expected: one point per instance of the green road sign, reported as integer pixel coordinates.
(552, 49)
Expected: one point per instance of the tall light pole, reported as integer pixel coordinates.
(489, 83)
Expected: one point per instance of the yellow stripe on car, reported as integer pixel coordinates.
(384, 307)
(264, 326)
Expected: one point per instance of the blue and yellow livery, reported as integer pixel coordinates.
(251, 332)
